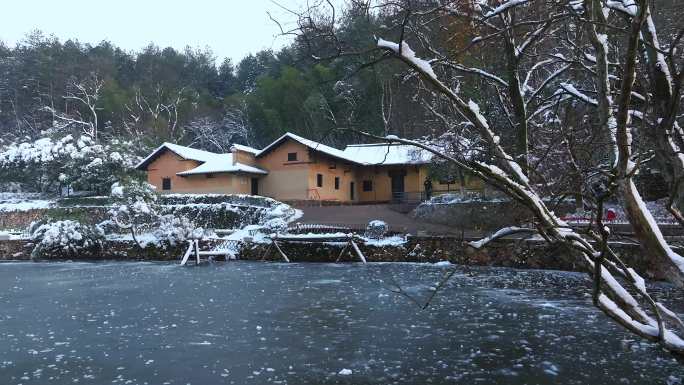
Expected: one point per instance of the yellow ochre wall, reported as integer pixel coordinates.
(244, 157)
(285, 180)
(331, 168)
(298, 180)
(168, 164)
(382, 182)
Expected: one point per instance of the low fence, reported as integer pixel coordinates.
(326, 228)
(422, 196)
(619, 218)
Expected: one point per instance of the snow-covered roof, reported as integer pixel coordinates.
(387, 154)
(308, 143)
(242, 147)
(221, 165)
(359, 154)
(182, 151)
(211, 162)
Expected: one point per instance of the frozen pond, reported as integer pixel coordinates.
(262, 323)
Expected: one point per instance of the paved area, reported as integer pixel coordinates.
(360, 215)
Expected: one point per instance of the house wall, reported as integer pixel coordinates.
(298, 180)
(414, 182)
(168, 164)
(331, 168)
(244, 157)
(382, 182)
(472, 183)
(285, 180)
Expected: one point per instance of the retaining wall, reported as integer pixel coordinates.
(503, 252)
(524, 254)
(480, 215)
(122, 250)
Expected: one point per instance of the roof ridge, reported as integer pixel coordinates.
(324, 148)
(376, 144)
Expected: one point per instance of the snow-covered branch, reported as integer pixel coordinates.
(504, 232)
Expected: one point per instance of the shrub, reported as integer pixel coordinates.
(66, 239)
(376, 229)
(173, 230)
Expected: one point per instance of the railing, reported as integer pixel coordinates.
(313, 194)
(617, 218)
(408, 197)
(325, 228)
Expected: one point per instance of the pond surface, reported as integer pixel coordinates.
(263, 323)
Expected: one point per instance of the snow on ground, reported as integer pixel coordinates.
(395, 240)
(9, 205)
(345, 372)
(657, 208)
(451, 198)
(19, 196)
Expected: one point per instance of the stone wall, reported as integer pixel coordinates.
(524, 254)
(123, 250)
(479, 215)
(19, 220)
(15, 250)
(214, 215)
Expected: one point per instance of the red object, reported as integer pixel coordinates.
(611, 215)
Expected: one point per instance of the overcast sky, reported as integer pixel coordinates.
(231, 28)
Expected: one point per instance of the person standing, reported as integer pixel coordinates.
(428, 188)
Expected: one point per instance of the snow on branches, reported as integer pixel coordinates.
(408, 54)
(68, 160)
(66, 238)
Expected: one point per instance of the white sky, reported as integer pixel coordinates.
(231, 28)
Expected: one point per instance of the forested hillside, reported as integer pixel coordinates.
(189, 96)
(55, 95)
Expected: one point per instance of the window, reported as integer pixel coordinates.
(166, 183)
(291, 156)
(319, 180)
(367, 185)
(337, 183)
(209, 176)
(332, 166)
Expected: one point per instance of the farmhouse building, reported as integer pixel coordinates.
(293, 168)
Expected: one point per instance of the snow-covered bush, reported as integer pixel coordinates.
(137, 210)
(174, 230)
(135, 207)
(376, 229)
(47, 163)
(222, 211)
(455, 198)
(66, 239)
(277, 218)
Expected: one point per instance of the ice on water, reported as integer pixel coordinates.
(259, 323)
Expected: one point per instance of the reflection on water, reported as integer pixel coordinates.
(260, 323)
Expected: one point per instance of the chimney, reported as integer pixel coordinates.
(234, 151)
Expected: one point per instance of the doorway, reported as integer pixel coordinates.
(398, 187)
(351, 190)
(255, 186)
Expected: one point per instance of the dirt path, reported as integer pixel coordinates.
(360, 215)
